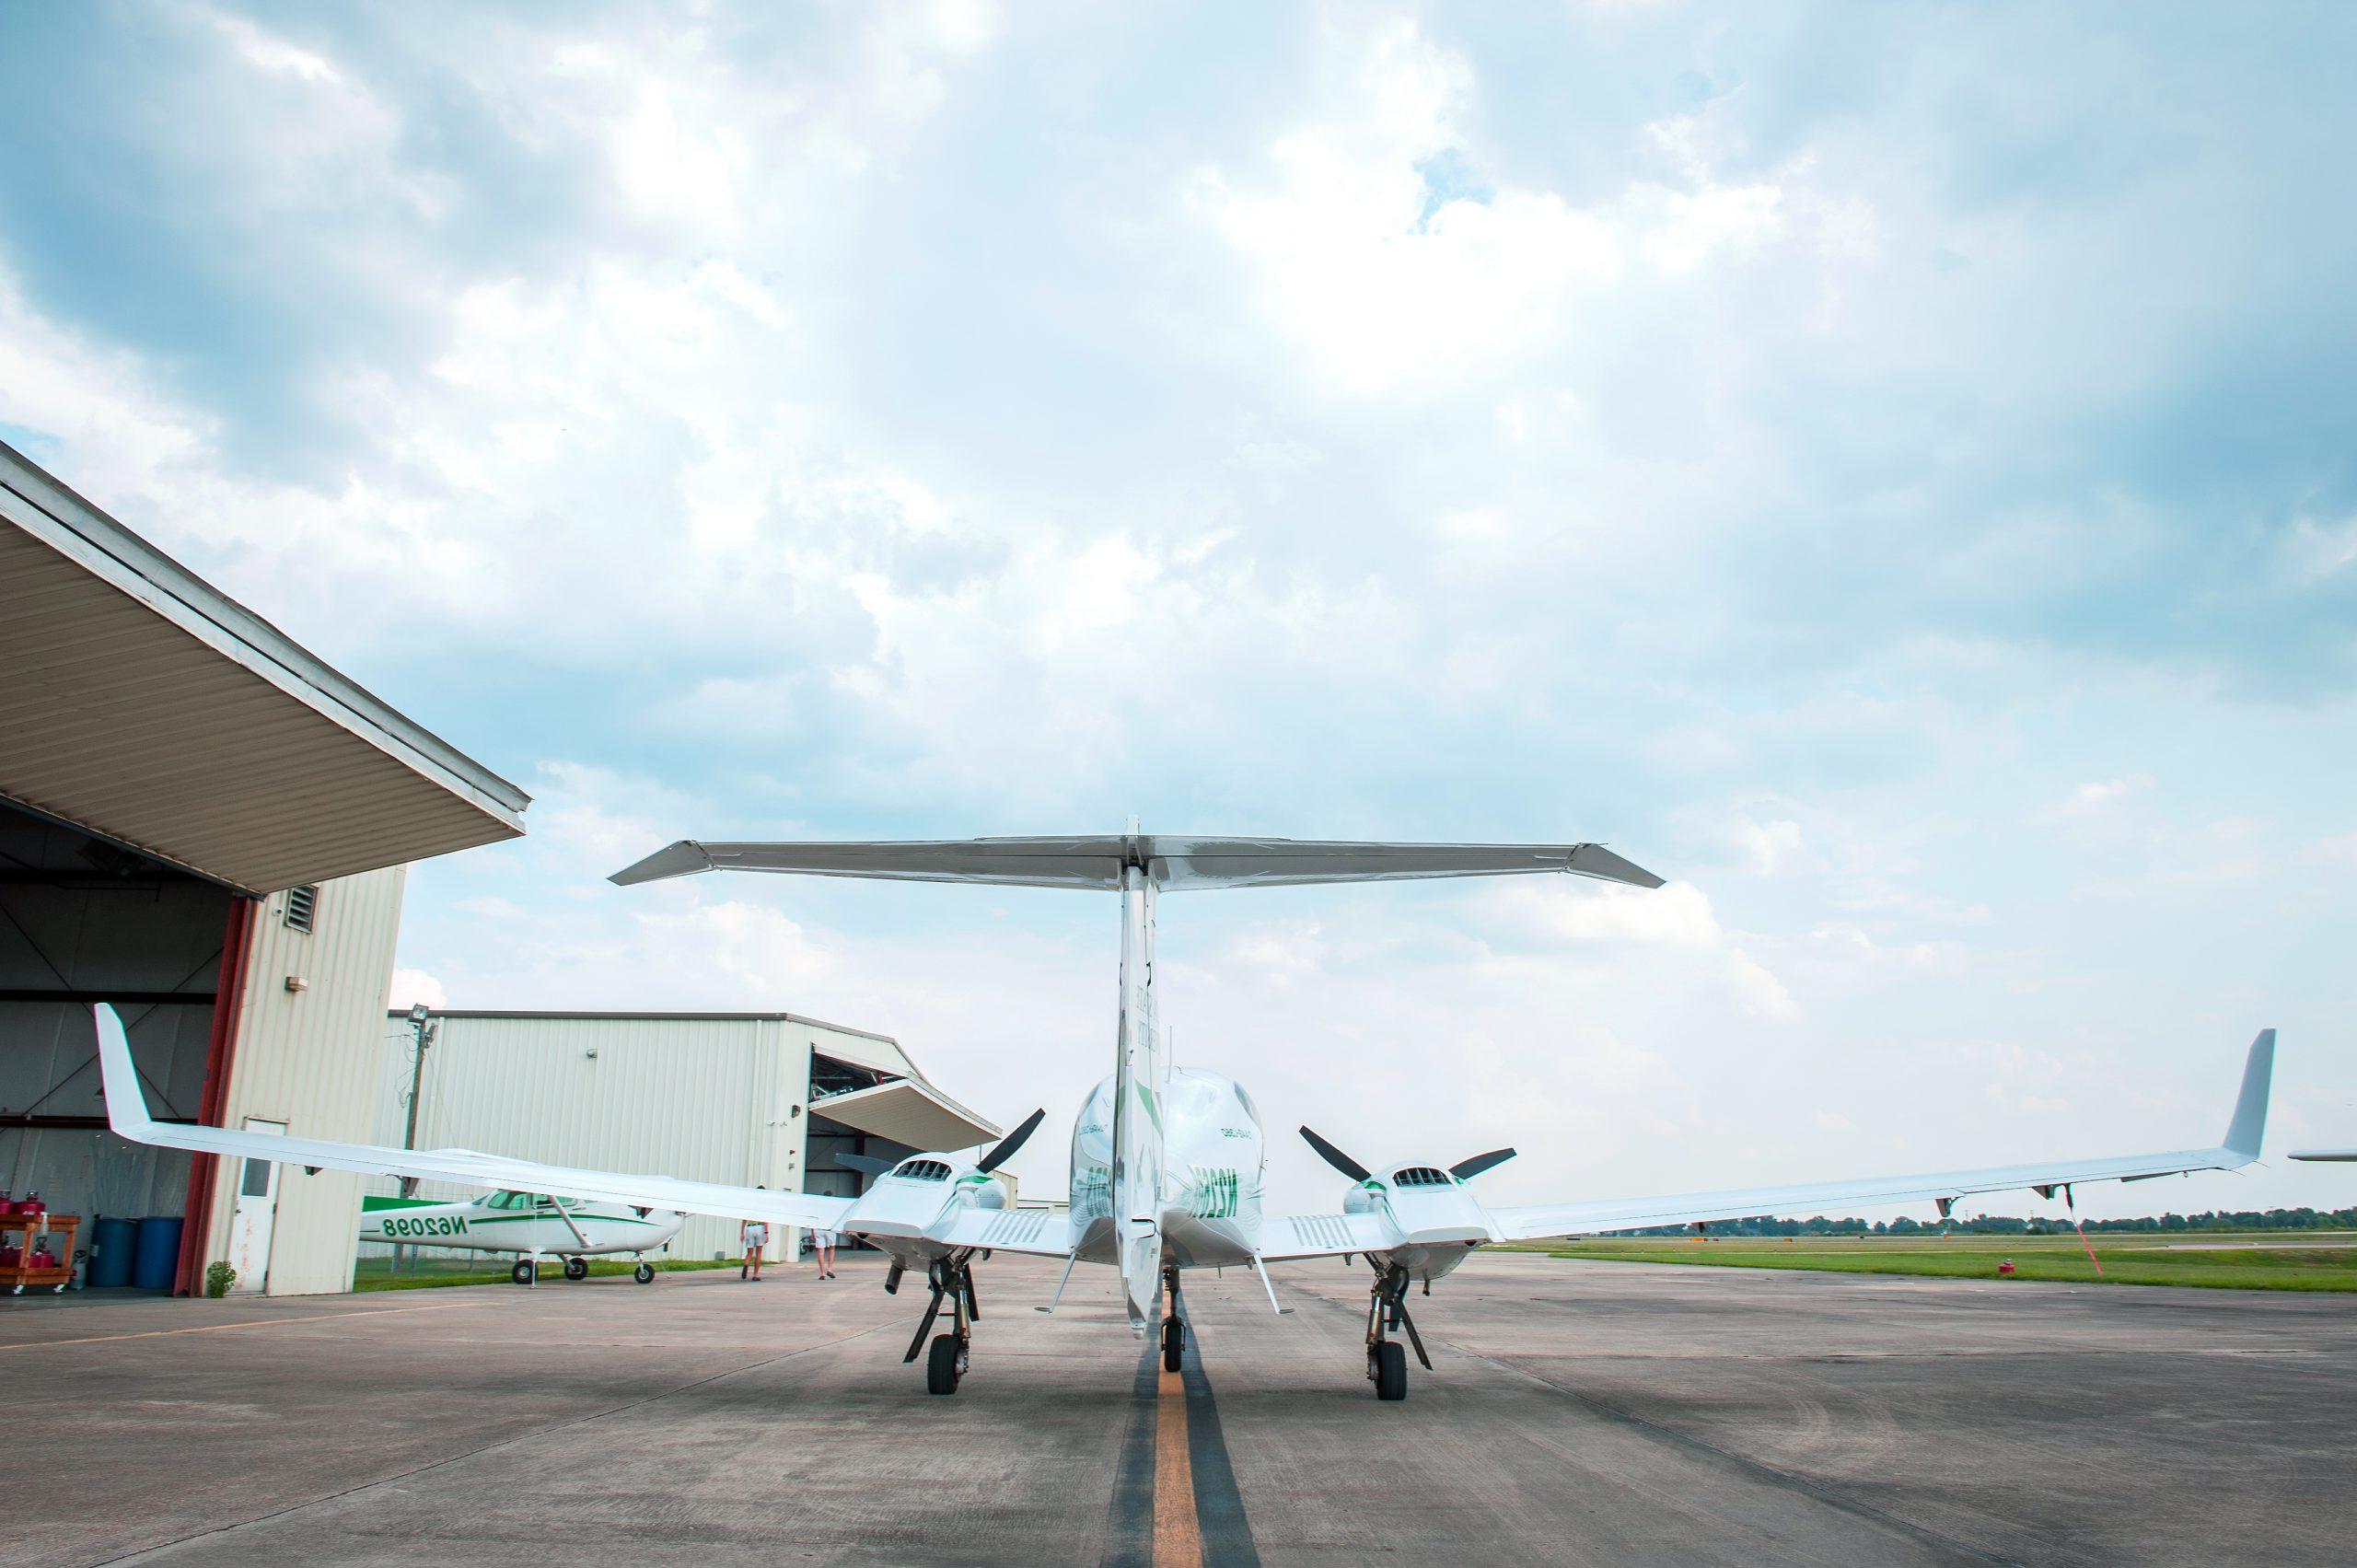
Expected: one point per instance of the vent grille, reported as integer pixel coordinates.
(302, 907)
(1420, 1175)
(923, 1170)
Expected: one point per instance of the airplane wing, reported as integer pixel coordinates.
(1045, 1233)
(127, 1114)
(2324, 1154)
(1322, 1235)
(2239, 1148)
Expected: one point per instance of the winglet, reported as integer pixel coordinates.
(126, 1105)
(684, 858)
(2250, 1125)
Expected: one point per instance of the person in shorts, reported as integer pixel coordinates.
(822, 1241)
(755, 1237)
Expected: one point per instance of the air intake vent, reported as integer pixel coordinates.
(923, 1170)
(302, 907)
(1421, 1176)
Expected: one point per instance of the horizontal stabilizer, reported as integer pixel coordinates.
(1174, 862)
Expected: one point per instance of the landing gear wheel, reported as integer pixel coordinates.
(944, 1364)
(1174, 1344)
(1390, 1363)
(577, 1268)
(644, 1273)
(525, 1271)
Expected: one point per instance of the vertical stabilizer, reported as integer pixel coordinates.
(1137, 1106)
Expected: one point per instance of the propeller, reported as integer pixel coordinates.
(872, 1164)
(1012, 1141)
(1336, 1157)
(1466, 1170)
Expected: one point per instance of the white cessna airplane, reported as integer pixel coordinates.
(1166, 1161)
(528, 1224)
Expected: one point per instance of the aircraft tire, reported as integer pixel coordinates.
(941, 1366)
(524, 1273)
(1391, 1371)
(644, 1273)
(1174, 1344)
(577, 1268)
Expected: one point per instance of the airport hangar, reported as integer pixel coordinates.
(769, 1100)
(206, 825)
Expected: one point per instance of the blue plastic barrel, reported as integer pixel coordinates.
(155, 1255)
(110, 1247)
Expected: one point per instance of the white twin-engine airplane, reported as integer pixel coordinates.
(1166, 1162)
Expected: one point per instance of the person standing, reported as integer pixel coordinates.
(823, 1240)
(755, 1237)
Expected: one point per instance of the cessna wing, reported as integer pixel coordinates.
(2239, 1148)
(127, 1114)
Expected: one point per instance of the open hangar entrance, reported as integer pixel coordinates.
(205, 826)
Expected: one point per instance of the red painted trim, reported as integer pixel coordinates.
(220, 1051)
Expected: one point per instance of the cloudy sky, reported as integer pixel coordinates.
(1888, 469)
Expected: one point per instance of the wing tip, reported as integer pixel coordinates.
(683, 857)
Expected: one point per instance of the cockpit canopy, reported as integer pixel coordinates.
(923, 1170)
(1421, 1176)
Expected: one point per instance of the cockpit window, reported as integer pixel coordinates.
(923, 1170)
(1420, 1175)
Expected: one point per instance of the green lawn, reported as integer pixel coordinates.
(2241, 1260)
(377, 1273)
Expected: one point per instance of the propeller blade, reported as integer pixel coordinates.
(1466, 1170)
(871, 1164)
(1012, 1141)
(1336, 1157)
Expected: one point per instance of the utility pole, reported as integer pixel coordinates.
(418, 1022)
(419, 1016)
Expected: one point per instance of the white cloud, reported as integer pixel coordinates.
(1372, 248)
(412, 986)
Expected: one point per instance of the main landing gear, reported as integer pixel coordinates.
(1173, 1325)
(526, 1271)
(951, 1279)
(1386, 1363)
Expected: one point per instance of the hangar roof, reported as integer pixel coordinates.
(141, 705)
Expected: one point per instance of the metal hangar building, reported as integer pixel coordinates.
(204, 825)
(770, 1100)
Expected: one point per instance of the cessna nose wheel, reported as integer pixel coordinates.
(644, 1273)
(577, 1268)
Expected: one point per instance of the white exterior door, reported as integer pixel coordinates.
(250, 1222)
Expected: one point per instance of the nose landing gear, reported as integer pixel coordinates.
(1386, 1363)
(951, 1279)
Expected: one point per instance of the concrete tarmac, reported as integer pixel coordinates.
(1577, 1412)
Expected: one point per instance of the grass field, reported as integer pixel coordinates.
(2231, 1260)
(377, 1273)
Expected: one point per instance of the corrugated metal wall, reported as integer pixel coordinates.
(311, 1059)
(68, 925)
(707, 1098)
